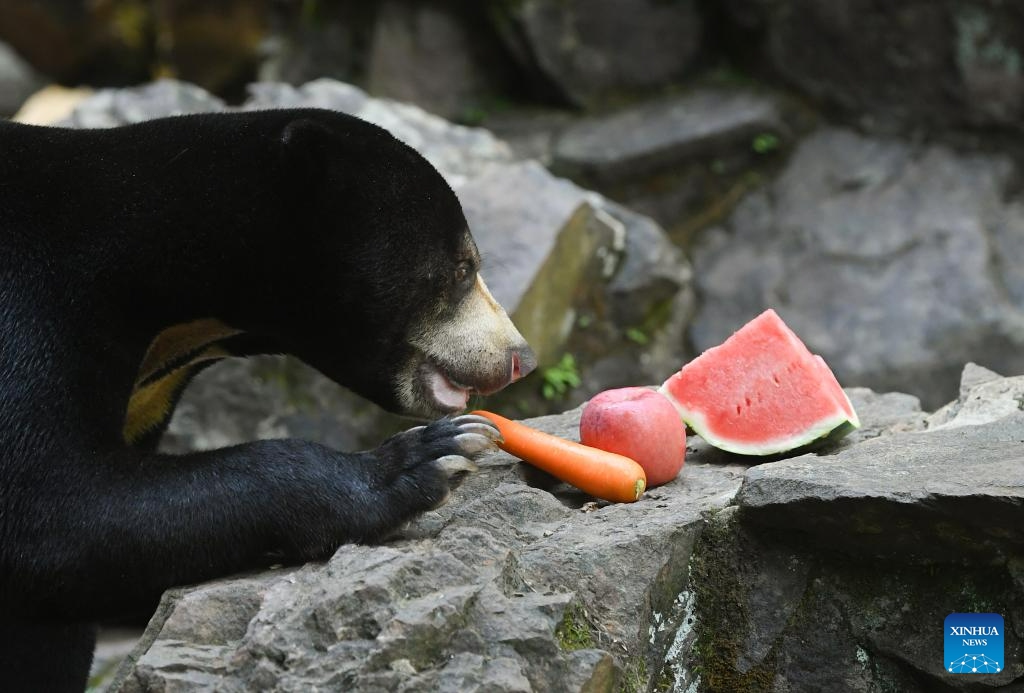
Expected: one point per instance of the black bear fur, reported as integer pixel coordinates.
(312, 233)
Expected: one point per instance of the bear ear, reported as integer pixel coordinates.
(303, 141)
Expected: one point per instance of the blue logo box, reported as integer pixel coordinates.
(974, 644)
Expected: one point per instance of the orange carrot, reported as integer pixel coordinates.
(600, 473)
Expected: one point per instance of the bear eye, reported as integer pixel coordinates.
(461, 273)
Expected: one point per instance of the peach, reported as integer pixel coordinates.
(641, 424)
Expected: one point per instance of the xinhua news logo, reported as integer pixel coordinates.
(974, 644)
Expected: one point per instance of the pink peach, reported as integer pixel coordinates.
(638, 423)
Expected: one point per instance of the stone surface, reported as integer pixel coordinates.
(18, 80)
(828, 571)
(887, 258)
(239, 400)
(111, 107)
(512, 586)
(313, 41)
(652, 273)
(835, 571)
(439, 56)
(458, 152)
(889, 497)
(654, 136)
(909, 63)
(773, 614)
(546, 242)
(592, 51)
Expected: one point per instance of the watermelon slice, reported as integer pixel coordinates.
(761, 392)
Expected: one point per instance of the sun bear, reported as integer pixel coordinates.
(135, 256)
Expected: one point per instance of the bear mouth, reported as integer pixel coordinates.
(448, 395)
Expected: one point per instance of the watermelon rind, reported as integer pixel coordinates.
(822, 432)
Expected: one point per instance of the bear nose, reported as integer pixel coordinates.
(523, 362)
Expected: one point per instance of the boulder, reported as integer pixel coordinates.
(894, 261)
(512, 586)
(680, 158)
(439, 56)
(310, 41)
(836, 572)
(902, 64)
(659, 135)
(18, 80)
(546, 241)
(825, 571)
(590, 52)
(109, 108)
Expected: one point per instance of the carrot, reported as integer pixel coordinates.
(600, 473)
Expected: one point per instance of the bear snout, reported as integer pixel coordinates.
(476, 350)
(523, 362)
(519, 362)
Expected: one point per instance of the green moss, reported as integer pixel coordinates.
(634, 678)
(542, 311)
(722, 613)
(978, 43)
(665, 681)
(574, 633)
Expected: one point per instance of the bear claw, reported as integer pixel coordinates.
(481, 429)
(473, 443)
(456, 464)
(473, 419)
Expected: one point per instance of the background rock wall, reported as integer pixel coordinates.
(651, 175)
(853, 164)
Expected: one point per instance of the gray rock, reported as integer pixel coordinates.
(891, 413)
(548, 242)
(907, 63)
(591, 51)
(458, 152)
(431, 55)
(508, 587)
(326, 40)
(834, 571)
(273, 397)
(652, 272)
(113, 646)
(18, 80)
(884, 257)
(829, 571)
(658, 135)
(985, 397)
(886, 496)
(112, 107)
(772, 614)
(320, 93)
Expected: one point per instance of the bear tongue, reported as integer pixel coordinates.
(445, 392)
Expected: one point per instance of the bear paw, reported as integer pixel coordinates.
(424, 464)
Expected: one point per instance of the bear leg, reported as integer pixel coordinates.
(45, 656)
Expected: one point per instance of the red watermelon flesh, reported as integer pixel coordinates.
(761, 392)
